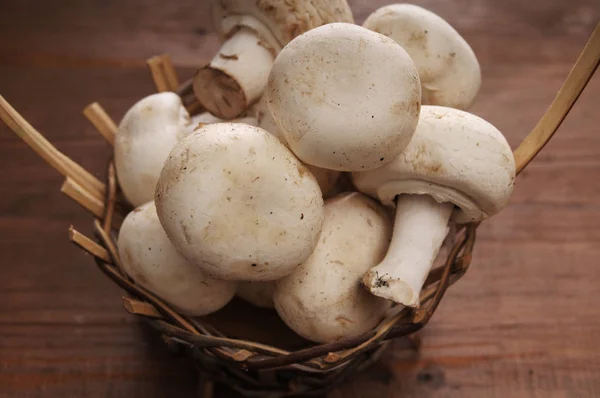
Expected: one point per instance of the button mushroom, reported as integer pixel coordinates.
(255, 31)
(151, 260)
(259, 294)
(146, 135)
(327, 179)
(448, 68)
(457, 165)
(323, 300)
(344, 98)
(233, 199)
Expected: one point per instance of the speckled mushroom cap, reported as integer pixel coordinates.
(345, 98)
(236, 201)
(448, 68)
(326, 178)
(264, 119)
(146, 135)
(151, 260)
(323, 300)
(277, 21)
(455, 157)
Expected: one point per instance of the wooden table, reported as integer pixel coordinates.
(524, 322)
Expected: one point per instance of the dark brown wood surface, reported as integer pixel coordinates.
(524, 322)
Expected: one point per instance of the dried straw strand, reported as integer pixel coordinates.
(101, 121)
(83, 197)
(163, 73)
(213, 341)
(110, 245)
(156, 71)
(136, 307)
(64, 165)
(88, 245)
(112, 195)
(578, 78)
(169, 72)
(165, 79)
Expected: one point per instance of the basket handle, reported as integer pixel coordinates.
(578, 78)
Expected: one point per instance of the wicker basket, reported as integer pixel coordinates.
(250, 367)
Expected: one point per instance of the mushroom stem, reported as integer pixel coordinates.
(236, 76)
(420, 227)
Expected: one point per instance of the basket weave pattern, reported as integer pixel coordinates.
(254, 368)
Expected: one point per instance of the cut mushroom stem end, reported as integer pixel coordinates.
(421, 225)
(236, 76)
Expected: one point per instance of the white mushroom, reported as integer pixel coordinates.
(233, 199)
(254, 32)
(457, 165)
(345, 98)
(151, 260)
(448, 68)
(265, 119)
(327, 179)
(323, 299)
(259, 294)
(146, 135)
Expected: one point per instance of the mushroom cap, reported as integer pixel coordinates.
(283, 20)
(455, 157)
(259, 294)
(233, 199)
(345, 98)
(265, 119)
(323, 300)
(448, 68)
(327, 179)
(146, 135)
(151, 260)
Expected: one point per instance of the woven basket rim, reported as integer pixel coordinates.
(256, 356)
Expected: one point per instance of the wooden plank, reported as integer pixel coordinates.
(117, 34)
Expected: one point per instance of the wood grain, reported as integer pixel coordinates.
(524, 322)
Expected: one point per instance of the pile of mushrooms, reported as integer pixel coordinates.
(250, 197)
